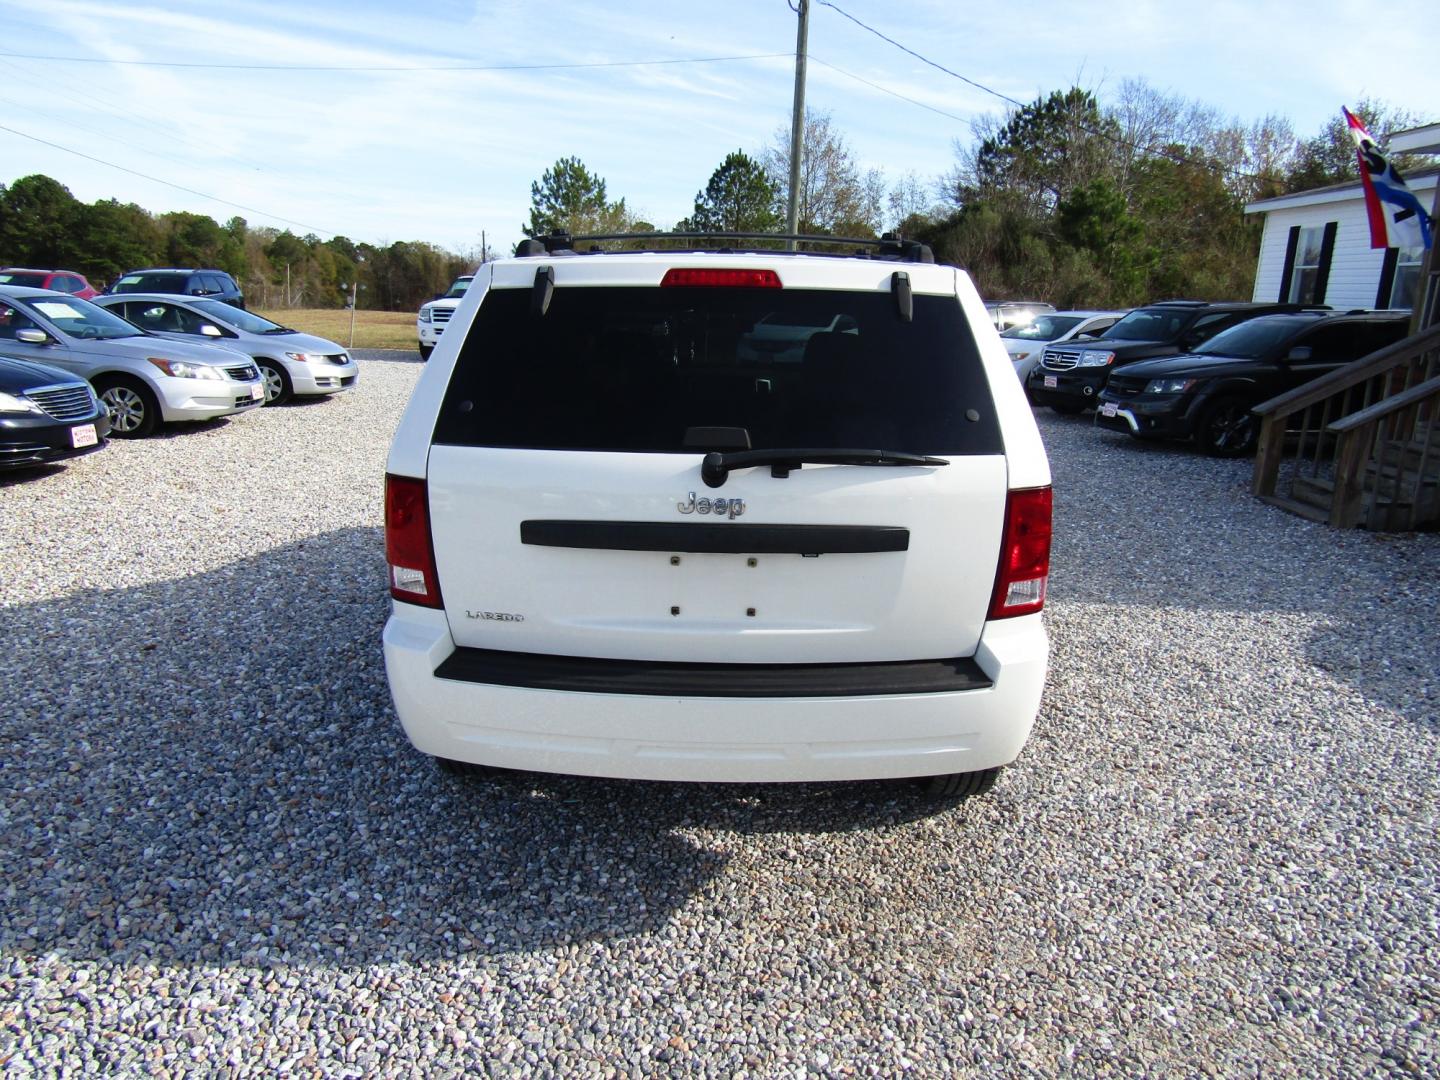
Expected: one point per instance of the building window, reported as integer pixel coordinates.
(1407, 277)
(1306, 276)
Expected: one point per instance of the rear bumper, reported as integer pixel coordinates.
(648, 736)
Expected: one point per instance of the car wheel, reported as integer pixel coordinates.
(134, 412)
(1069, 408)
(277, 381)
(1227, 428)
(963, 785)
(425, 351)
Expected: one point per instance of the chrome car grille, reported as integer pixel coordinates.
(1060, 359)
(248, 373)
(441, 314)
(64, 402)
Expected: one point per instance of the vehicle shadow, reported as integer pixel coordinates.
(31, 473)
(220, 778)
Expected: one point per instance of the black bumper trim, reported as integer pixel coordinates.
(723, 539)
(583, 674)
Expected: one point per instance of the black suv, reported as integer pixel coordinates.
(215, 284)
(1069, 377)
(1208, 393)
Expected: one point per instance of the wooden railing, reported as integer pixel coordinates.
(1360, 445)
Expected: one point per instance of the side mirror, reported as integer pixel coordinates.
(207, 330)
(31, 336)
(1300, 352)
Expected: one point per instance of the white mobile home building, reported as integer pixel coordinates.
(1316, 250)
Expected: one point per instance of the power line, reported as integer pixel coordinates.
(396, 67)
(885, 89)
(922, 59)
(1120, 140)
(167, 183)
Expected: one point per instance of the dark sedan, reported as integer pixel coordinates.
(46, 415)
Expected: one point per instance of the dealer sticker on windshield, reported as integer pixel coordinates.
(84, 435)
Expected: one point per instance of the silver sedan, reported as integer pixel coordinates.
(141, 380)
(291, 363)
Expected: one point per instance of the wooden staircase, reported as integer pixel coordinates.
(1359, 447)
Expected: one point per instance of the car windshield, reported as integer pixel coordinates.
(1044, 328)
(79, 318)
(229, 315)
(1150, 324)
(31, 281)
(635, 369)
(1250, 340)
(458, 289)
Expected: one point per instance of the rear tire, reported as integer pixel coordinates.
(134, 412)
(278, 388)
(425, 351)
(1227, 429)
(959, 786)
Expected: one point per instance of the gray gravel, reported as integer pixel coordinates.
(1217, 855)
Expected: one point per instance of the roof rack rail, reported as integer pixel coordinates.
(889, 246)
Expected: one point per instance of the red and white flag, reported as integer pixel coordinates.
(1396, 217)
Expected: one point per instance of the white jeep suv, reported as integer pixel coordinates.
(622, 544)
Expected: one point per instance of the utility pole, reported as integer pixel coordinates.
(797, 122)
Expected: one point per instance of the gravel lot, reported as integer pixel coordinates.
(1218, 854)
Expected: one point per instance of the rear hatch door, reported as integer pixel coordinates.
(570, 517)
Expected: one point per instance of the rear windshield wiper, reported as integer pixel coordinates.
(716, 466)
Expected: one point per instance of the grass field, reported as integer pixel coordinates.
(373, 329)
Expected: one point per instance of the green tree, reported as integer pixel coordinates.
(115, 237)
(1041, 153)
(193, 240)
(38, 218)
(569, 197)
(1095, 219)
(740, 197)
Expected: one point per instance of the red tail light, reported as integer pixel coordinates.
(1024, 555)
(740, 279)
(407, 542)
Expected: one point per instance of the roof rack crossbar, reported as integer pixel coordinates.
(888, 246)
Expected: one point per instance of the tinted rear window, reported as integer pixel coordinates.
(30, 281)
(630, 369)
(161, 283)
(1156, 324)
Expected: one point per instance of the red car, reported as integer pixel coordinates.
(66, 281)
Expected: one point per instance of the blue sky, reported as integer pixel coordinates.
(442, 155)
